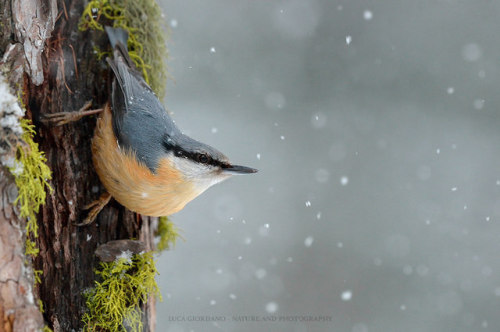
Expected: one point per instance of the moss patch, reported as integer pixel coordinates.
(167, 233)
(31, 175)
(114, 303)
(143, 21)
(38, 278)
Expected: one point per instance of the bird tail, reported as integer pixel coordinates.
(117, 36)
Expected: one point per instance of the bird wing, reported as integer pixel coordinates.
(140, 122)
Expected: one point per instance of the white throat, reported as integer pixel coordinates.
(202, 176)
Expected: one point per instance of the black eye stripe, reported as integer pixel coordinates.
(198, 157)
(201, 158)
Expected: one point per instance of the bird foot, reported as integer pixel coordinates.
(95, 207)
(62, 118)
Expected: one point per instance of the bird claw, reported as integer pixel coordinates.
(62, 118)
(95, 207)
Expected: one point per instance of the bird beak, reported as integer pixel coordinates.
(236, 169)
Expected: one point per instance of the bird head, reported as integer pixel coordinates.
(201, 164)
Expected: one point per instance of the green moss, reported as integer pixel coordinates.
(114, 301)
(40, 306)
(143, 21)
(31, 248)
(31, 175)
(168, 233)
(42, 310)
(38, 274)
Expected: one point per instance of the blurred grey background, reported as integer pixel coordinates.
(374, 125)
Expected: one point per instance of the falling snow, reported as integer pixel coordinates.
(352, 169)
(264, 230)
(318, 120)
(367, 15)
(271, 307)
(346, 295)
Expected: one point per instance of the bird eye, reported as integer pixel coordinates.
(202, 158)
(178, 153)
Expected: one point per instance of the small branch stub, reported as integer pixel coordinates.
(114, 250)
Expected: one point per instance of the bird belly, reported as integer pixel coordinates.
(132, 183)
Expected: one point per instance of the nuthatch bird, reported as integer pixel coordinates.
(143, 160)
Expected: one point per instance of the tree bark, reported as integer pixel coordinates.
(18, 311)
(61, 74)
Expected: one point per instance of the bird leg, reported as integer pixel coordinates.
(62, 118)
(95, 207)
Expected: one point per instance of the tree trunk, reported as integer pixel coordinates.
(61, 74)
(18, 311)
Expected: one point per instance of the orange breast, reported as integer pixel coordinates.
(131, 183)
